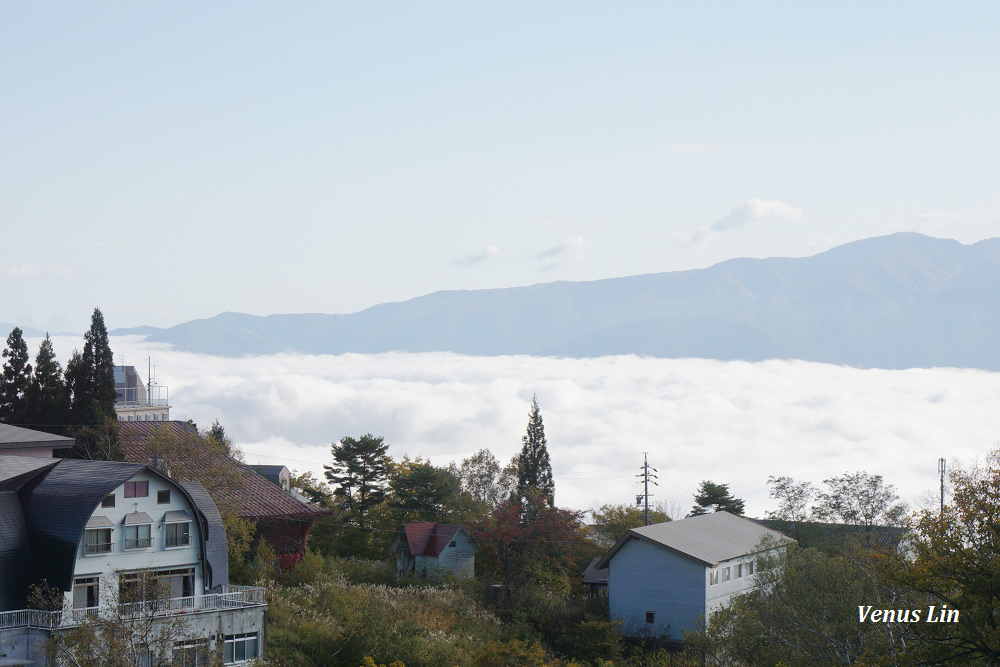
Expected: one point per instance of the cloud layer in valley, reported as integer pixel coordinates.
(731, 422)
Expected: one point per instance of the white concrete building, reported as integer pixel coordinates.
(137, 401)
(100, 532)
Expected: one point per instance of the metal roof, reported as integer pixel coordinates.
(708, 538)
(176, 516)
(594, 577)
(15, 437)
(136, 518)
(14, 554)
(213, 533)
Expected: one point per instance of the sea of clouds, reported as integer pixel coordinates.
(729, 422)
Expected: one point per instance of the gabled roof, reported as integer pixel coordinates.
(708, 538)
(594, 577)
(15, 437)
(427, 538)
(257, 499)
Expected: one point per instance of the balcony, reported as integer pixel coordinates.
(139, 543)
(95, 549)
(138, 397)
(177, 541)
(230, 597)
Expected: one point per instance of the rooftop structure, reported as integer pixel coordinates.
(137, 401)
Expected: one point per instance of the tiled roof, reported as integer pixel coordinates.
(708, 538)
(594, 577)
(427, 538)
(256, 499)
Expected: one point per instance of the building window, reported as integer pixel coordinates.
(156, 417)
(164, 417)
(178, 535)
(130, 417)
(713, 577)
(748, 569)
(163, 497)
(725, 574)
(239, 648)
(109, 501)
(177, 583)
(86, 593)
(147, 417)
(97, 541)
(452, 543)
(650, 616)
(138, 536)
(136, 489)
(191, 653)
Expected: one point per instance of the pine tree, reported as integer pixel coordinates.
(712, 497)
(48, 402)
(360, 470)
(91, 376)
(15, 380)
(534, 470)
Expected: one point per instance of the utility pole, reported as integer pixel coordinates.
(942, 464)
(646, 476)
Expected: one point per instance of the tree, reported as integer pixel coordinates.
(712, 497)
(48, 402)
(859, 499)
(421, 491)
(611, 522)
(359, 471)
(534, 470)
(15, 379)
(519, 549)
(91, 377)
(487, 484)
(793, 499)
(957, 566)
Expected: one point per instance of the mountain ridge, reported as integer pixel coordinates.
(897, 301)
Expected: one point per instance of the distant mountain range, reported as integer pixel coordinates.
(899, 301)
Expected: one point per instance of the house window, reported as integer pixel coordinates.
(739, 570)
(86, 593)
(239, 648)
(178, 535)
(156, 417)
(650, 616)
(748, 569)
(713, 577)
(725, 574)
(452, 543)
(130, 417)
(97, 541)
(190, 653)
(136, 489)
(177, 583)
(138, 536)
(163, 497)
(109, 501)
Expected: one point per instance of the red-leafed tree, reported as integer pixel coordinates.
(515, 544)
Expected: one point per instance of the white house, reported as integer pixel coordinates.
(668, 578)
(94, 529)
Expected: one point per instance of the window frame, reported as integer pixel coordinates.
(138, 541)
(230, 642)
(173, 542)
(132, 489)
(94, 547)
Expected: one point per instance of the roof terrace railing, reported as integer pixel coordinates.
(230, 597)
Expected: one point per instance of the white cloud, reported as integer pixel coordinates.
(732, 422)
(475, 259)
(570, 250)
(932, 224)
(19, 272)
(740, 216)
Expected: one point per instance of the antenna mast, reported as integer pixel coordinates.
(942, 464)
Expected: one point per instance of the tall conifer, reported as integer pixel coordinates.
(15, 379)
(534, 470)
(48, 402)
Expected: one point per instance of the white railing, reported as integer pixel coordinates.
(231, 597)
(138, 397)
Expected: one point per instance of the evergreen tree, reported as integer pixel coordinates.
(15, 380)
(713, 497)
(534, 470)
(359, 471)
(91, 376)
(48, 402)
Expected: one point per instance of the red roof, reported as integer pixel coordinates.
(427, 538)
(256, 497)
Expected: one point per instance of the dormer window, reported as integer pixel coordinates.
(138, 531)
(97, 536)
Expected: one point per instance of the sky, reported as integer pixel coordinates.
(733, 423)
(171, 161)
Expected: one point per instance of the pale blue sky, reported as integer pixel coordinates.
(171, 161)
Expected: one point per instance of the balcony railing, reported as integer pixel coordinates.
(138, 397)
(177, 541)
(231, 597)
(93, 549)
(139, 543)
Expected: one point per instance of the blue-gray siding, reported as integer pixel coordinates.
(643, 577)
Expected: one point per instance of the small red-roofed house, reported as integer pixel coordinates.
(433, 550)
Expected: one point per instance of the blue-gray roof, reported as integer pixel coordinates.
(15, 437)
(709, 538)
(214, 533)
(14, 567)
